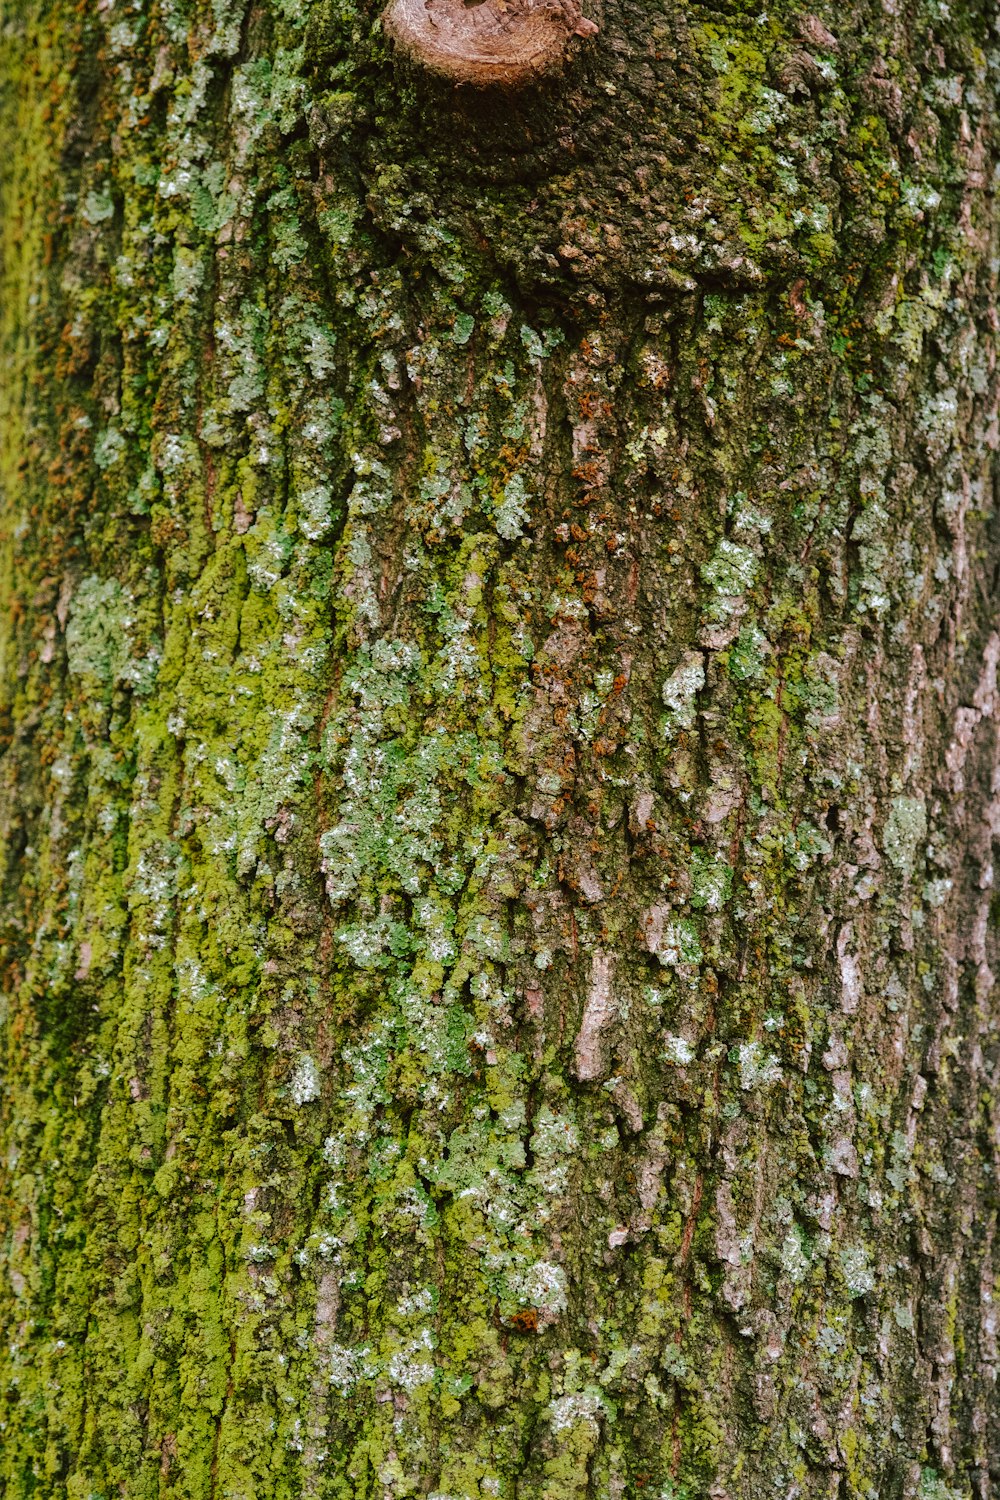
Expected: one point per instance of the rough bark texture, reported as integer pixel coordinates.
(500, 769)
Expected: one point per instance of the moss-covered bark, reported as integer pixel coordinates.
(499, 757)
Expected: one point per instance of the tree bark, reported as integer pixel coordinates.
(500, 764)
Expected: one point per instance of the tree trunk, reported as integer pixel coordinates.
(500, 754)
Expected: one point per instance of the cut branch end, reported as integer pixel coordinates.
(490, 43)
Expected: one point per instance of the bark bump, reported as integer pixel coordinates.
(486, 43)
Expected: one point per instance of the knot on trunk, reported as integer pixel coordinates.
(488, 42)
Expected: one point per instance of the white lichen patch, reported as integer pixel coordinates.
(858, 1273)
(711, 882)
(905, 830)
(511, 513)
(730, 572)
(108, 448)
(553, 1134)
(585, 1406)
(541, 1285)
(304, 1085)
(758, 1069)
(315, 506)
(674, 941)
(678, 1051)
(680, 693)
(97, 631)
(794, 1260)
(936, 892)
(410, 1367)
(344, 1367)
(416, 1303)
(553, 1141)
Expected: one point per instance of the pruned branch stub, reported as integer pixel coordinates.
(491, 43)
